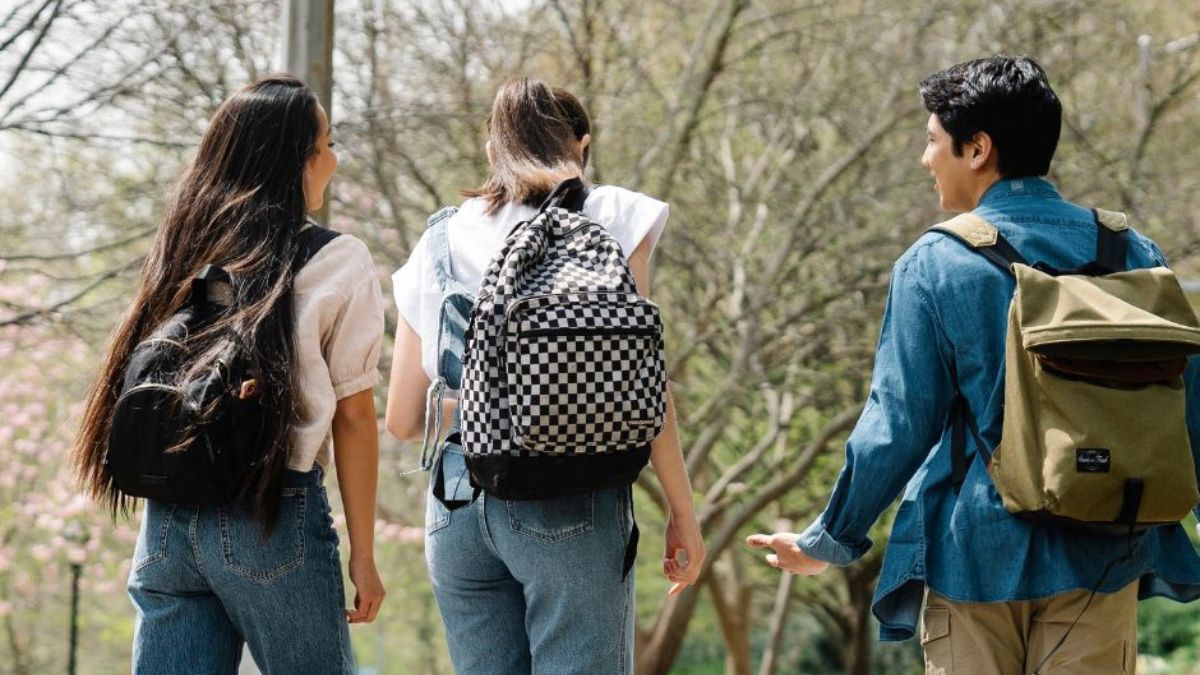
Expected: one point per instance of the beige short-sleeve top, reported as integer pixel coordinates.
(339, 333)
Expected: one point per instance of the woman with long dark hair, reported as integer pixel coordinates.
(263, 569)
(528, 586)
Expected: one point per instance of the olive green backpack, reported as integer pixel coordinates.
(1094, 431)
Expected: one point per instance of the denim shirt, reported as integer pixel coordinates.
(945, 323)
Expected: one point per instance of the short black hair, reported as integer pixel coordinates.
(1008, 98)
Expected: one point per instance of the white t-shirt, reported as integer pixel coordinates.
(339, 331)
(475, 237)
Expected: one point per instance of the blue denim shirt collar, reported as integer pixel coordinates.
(1007, 188)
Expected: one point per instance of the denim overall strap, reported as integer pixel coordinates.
(453, 294)
(439, 240)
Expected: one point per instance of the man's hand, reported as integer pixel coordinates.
(787, 556)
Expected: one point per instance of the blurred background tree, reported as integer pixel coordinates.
(785, 134)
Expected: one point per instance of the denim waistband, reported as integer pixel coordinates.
(312, 478)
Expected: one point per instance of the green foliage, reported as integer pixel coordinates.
(1167, 628)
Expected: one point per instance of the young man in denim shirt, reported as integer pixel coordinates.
(1002, 593)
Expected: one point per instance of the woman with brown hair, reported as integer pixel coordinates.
(264, 568)
(527, 586)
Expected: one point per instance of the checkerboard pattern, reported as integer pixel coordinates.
(563, 356)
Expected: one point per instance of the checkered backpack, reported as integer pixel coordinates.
(563, 384)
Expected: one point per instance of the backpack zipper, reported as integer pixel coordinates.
(555, 332)
(630, 297)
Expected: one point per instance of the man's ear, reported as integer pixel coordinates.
(981, 150)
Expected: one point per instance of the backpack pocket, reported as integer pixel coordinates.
(146, 423)
(1099, 433)
(585, 373)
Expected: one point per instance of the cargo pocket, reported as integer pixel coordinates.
(245, 552)
(553, 520)
(935, 641)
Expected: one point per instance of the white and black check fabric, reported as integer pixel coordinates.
(562, 356)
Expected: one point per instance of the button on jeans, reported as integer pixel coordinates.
(532, 586)
(204, 582)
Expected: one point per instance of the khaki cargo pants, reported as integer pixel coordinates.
(1011, 638)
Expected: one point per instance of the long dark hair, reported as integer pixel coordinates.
(240, 205)
(531, 129)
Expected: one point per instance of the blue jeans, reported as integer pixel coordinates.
(532, 586)
(204, 582)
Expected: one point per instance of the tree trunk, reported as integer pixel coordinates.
(783, 601)
(657, 651)
(860, 587)
(731, 599)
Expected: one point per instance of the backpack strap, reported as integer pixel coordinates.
(211, 278)
(980, 235)
(1112, 239)
(983, 237)
(312, 239)
(962, 421)
(570, 194)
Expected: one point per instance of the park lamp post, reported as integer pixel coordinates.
(77, 535)
(307, 53)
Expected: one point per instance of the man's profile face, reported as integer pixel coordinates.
(952, 176)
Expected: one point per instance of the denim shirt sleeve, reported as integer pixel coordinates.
(905, 414)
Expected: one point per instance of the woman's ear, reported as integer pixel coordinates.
(487, 148)
(585, 146)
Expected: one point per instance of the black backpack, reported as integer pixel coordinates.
(145, 457)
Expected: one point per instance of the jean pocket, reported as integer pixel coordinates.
(152, 537)
(553, 519)
(437, 515)
(456, 486)
(245, 551)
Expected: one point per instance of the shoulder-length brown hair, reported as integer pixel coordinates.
(532, 130)
(239, 205)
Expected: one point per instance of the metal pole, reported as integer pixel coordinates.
(76, 569)
(308, 54)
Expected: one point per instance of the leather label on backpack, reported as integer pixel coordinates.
(1092, 460)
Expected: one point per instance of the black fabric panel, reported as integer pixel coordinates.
(550, 476)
